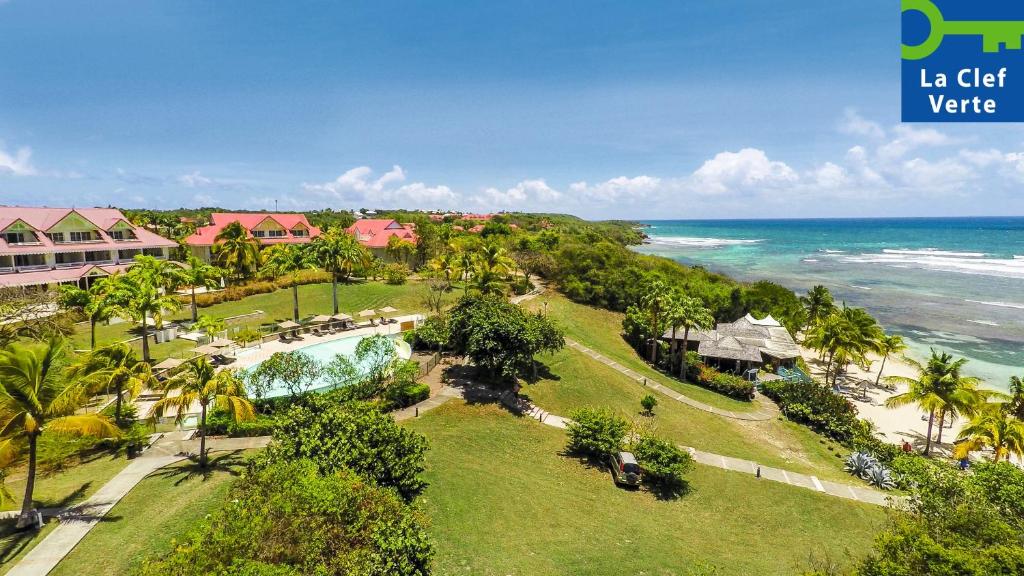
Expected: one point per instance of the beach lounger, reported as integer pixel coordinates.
(283, 337)
(316, 332)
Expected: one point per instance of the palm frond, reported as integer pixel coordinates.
(84, 425)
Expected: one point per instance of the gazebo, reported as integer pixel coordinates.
(729, 349)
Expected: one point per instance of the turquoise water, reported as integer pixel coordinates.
(952, 283)
(324, 353)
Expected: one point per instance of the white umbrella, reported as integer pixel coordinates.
(321, 318)
(341, 317)
(366, 313)
(168, 363)
(388, 310)
(207, 349)
(221, 343)
(287, 325)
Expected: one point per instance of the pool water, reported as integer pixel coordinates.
(325, 352)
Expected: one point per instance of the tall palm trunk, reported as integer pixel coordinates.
(25, 519)
(928, 440)
(686, 345)
(92, 332)
(334, 292)
(942, 420)
(672, 350)
(880, 368)
(145, 339)
(117, 406)
(295, 300)
(195, 310)
(202, 437)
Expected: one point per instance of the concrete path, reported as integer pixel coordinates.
(768, 410)
(839, 490)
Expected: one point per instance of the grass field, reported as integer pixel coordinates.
(275, 306)
(601, 330)
(164, 507)
(577, 381)
(504, 500)
(14, 544)
(68, 486)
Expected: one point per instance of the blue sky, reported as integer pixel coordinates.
(602, 109)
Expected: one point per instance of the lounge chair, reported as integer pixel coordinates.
(221, 360)
(283, 338)
(316, 332)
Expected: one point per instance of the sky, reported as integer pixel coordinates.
(724, 109)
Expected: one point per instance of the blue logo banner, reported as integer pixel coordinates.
(962, 61)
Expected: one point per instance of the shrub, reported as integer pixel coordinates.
(286, 519)
(595, 432)
(251, 288)
(816, 406)
(261, 426)
(354, 435)
(860, 464)
(664, 465)
(648, 403)
(396, 273)
(402, 396)
(727, 384)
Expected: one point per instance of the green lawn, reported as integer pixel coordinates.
(601, 330)
(71, 485)
(577, 381)
(504, 500)
(276, 306)
(164, 507)
(14, 544)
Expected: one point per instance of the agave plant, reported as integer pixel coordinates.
(860, 464)
(880, 477)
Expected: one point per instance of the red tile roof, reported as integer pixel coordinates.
(57, 275)
(42, 219)
(205, 235)
(375, 232)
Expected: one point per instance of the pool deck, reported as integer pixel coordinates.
(256, 354)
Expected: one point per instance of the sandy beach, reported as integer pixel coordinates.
(894, 424)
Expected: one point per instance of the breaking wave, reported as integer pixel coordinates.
(698, 242)
(978, 263)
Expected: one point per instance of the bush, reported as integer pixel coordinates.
(816, 406)
(648, 403)
(727, 384)
(286, 519)
(251, 288)
(261, 426)
(595, 432)
(355, 435)
(396, 273)
(402, 396)
(664, 465)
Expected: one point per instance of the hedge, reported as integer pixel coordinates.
(727, 384)
(240, 291)
(816, 406)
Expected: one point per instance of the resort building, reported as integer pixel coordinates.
(40, 246)
(267, 228)
(741, 345)
(375, 233)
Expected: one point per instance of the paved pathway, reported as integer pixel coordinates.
(768, 410)
(847, 491)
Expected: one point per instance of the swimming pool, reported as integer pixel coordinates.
(324, 352)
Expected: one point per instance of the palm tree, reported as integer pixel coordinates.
(96, 302)
(446, 266)
(496, 258)
(36, 396)
(654, 302)
(938, 389)
(165, 274)
(687, 313)
(338, 252)
(236, 250)
(993, 427)
(465, 263)
(288, 259)
(199, 274)
(118, 368)
(400, 249)
(140, 295)
(485, 279)
(200, 383)
(1016, 402)
(818, 303)
(886, 346)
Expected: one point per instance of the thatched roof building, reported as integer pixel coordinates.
(748, 340)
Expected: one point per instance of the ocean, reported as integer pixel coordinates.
(955, 284)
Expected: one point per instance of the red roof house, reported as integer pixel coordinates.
(375, 233)
(265, 227)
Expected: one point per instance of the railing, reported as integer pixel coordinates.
(70, 264)
(430, 364)
(89, 241)
(6, 269)
(32, 267)
(100, 262)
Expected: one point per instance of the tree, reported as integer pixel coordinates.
(335, 435)
(687, 313)
(288, 519)
(818, 303)
(117, 368)
(200, 383)
(993, 427)
(1016, 401)
(664, 464)
(500, 337)
(140, 295)
(339, 253)
(285, 260)
(199, 274)
(236, 251)
(96, 302)
(887, 346)
(435, 331)
(400, 249)
(164, 274)
(595, 432)
(297, 370)
(654, 302)
(210, 325)
(36, 396)
(648, 403)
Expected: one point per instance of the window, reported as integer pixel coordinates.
(14, 237)
(56, 236)
(276, 233)
(80, 236)
(116, 234)
(299, 233)
(259, 234)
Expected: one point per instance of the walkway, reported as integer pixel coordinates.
(768, 410)
(847, 491)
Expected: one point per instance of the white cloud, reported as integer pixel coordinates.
(357, 187)
(194, 180)
(204, 200)
(18, 164)
(750, 167)
(853, 123)
(620, 189)
(908, 139)
(535, 191)
(829, 176)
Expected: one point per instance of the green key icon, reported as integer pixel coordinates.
(993, 32)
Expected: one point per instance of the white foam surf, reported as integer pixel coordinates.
(998, 304)
(943, 261)
(699, 242)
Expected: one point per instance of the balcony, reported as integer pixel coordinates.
(58, 265)
(106, 262)
(32, 267)
(7, 270)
